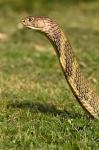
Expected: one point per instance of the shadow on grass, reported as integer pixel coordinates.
(45, 108)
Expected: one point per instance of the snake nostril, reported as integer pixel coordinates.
(23, 21)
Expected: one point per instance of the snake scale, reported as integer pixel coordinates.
(71, 69)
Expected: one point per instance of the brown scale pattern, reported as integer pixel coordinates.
(85, 96)
(56, 35)
(80, 87)
(93, 102)
(84, 90)
(69, 58)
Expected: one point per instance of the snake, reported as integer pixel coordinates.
(78, 84)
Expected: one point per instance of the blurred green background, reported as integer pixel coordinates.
(37, 108)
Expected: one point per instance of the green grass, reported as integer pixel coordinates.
(37, 108)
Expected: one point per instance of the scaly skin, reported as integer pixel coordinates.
(78, 84)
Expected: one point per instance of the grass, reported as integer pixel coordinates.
(37, 108)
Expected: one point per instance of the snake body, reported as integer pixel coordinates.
(69, 64)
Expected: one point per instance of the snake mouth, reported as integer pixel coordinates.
(31, 27)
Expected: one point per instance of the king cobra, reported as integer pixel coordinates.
(79, 86)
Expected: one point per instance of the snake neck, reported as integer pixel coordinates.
(63, 49)
(78, 84)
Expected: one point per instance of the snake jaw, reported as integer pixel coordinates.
(31, 27)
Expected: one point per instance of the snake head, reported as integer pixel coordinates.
(37, 23)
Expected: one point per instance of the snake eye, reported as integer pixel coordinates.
(30, 19)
